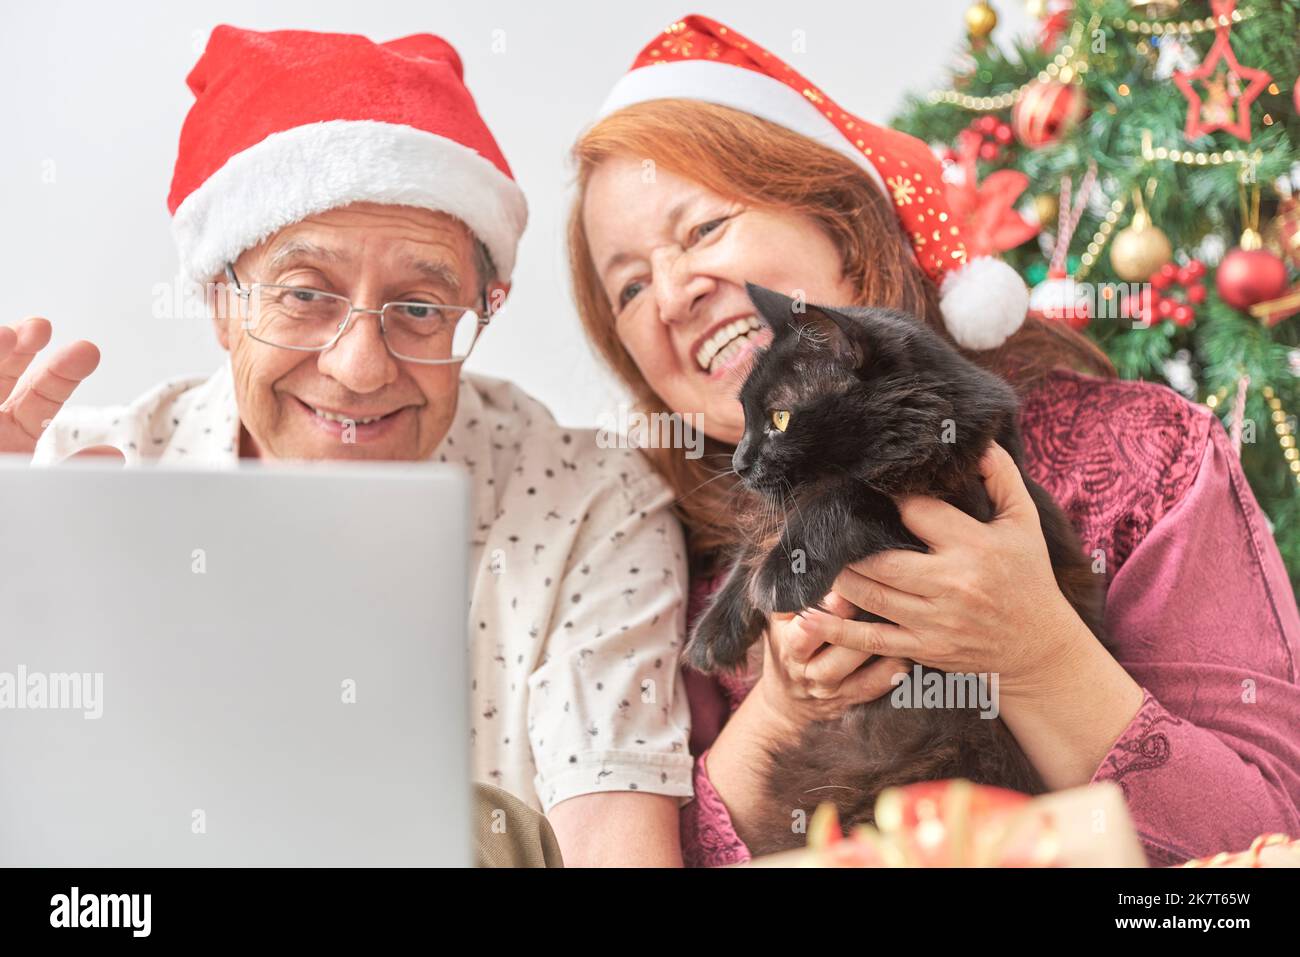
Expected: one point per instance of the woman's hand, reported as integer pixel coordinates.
(984, 599)
(805, 679)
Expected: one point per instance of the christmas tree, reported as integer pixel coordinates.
(1136, 161)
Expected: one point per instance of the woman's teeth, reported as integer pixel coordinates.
(335, 417)
(723, 345)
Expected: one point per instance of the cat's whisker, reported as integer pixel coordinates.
(720, 475)
(794, 498)
(779, 531)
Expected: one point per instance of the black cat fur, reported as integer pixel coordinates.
(880, 406)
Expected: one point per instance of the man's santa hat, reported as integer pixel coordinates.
(289, 124)
(983, 299)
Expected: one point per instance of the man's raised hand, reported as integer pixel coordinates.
(30, 395)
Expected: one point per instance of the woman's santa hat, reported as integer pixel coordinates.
(983, 300)
(289, 124)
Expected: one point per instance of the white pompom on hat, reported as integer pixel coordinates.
(983, 300)
(983, 303)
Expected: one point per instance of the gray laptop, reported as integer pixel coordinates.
(263, 666)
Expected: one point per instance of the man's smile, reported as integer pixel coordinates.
(364, 425)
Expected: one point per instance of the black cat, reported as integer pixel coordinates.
(846, 408)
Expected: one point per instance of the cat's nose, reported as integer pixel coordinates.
(741, 460)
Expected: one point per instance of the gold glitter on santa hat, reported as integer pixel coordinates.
(983, 300)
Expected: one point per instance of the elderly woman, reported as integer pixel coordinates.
(715, 164)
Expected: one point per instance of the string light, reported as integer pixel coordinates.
(1281, 425)
(1183, 27)
(1066, 67)
(1101, 237)
(1190, 158)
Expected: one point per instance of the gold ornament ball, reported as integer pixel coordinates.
(1139, 249)
(981, 19)
(1047, 206)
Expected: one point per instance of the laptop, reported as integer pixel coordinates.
(264, 666)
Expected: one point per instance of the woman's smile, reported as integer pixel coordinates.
(727, 344)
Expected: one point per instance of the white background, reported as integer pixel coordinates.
(92, 96)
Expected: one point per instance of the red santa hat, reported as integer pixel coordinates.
(289, 124)
(983, 300)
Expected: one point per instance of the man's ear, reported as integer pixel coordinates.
(495, 294)
(219, 301)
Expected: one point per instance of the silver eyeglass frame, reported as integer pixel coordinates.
(246, 294)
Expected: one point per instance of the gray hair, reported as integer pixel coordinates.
(484, 267)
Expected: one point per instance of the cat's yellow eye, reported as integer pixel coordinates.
(781, 419)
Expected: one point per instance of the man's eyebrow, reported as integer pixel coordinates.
(301, 249)
(619, 259)
(437, 272)
(295, 249)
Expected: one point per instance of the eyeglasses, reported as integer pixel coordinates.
(310, 320)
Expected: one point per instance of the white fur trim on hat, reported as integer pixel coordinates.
(983, 303)
(320, 166)
(739, 88)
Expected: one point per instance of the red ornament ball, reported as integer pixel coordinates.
(1248, 276)
(1047, 111)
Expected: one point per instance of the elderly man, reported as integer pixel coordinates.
(357, 225)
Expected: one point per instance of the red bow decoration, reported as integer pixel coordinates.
(1053, 28)
(986, 210)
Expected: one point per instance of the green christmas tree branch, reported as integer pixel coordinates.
(1190, 203)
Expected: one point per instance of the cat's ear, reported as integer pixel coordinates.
(776, 311)
(842, 334)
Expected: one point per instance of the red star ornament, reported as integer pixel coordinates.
(1215, 111)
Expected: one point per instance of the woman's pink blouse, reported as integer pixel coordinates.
(1198, 607)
